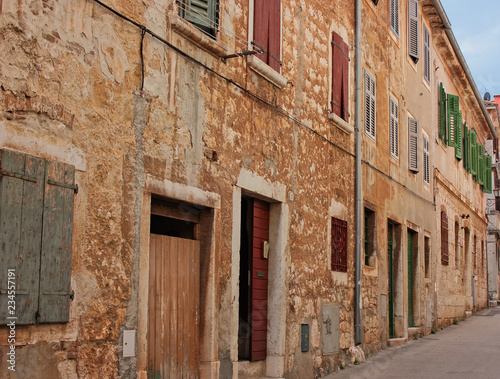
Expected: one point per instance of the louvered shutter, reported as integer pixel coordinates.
(473, 153)
(444, 238)
(202, 13)
(443, 130)
(21, 208)
(394, 127)
(267, 31)
(453, 114)
(458, 136)
(57, 234)
(413, 34)
(412, 144)
(427, 55)
(489, 185)
(370, 95)
(426, 160)
(340, 77)
(395, 17)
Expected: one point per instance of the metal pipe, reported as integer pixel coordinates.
(359, 196)
(461, 59)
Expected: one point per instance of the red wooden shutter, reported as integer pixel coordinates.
(258, 343)
(267, 31)
(444, 238)
(339, 245)
(340, 77)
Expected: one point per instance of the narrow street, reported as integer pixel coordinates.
(470, 349)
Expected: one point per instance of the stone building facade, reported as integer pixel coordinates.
(191, 176)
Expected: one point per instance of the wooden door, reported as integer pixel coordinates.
(390, 274)
(173, 308)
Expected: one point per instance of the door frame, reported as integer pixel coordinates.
(209, 255)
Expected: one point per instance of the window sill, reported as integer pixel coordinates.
(341, 123)
(266, 71)
(197, 36)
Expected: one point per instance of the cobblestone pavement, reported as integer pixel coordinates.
(468, 350)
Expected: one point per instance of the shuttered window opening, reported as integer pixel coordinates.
(426, 160)
(443, 114)
(413, 145)
(473, 153)
(427, 55)
(36, 230)
(394, 127)
(413, 40)
(370, 95)
(453, 120)
(267, 31)
(466, 142)
(339, 245)
(488, 181)
(340, 77)
(204, 14)
(394, 17)
(444, 238)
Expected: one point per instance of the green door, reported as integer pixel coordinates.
(390, 263)
(410, 279)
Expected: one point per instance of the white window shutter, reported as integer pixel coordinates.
(370, 105)
(413, 29)
(412, 144)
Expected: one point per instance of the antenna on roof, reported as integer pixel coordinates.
(487, 96)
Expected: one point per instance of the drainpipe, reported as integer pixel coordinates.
(461, 59)
(359, 196)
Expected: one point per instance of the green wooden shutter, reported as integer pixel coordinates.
(453, 115)
(480, 164)
(442, 115)
(458, 134)
(489, 185)
(473, 153)
(21, 206)
(202, 13)
(55, 270)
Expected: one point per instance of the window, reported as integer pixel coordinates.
(457, 245)
(427, 168)
(204, 14)
(339, 245)
(427, 55)
(369, 237)
(35, 243)
(443, 131)
(474, 252)
(480, 164)
(444, 239)
(473, 153)
(413, 145)
(394, 128)
(413, 30)
(369, 105)
(488, 185)
(340, 77)
(394, 17)
(267, 31)
(427, 252)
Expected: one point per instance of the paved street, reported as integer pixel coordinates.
(470, 349)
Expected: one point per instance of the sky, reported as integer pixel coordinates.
(476, 26)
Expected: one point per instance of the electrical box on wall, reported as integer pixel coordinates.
(129, 343)
(304, 339)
